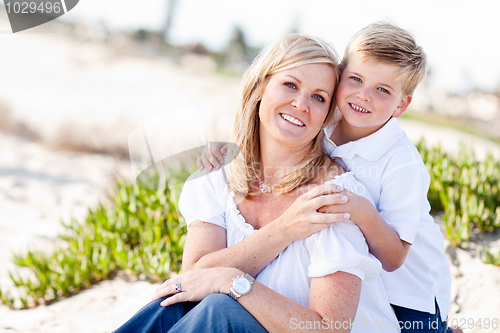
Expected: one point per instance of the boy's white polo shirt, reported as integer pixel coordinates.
(390, 166)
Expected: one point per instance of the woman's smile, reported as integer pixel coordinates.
(292, 120)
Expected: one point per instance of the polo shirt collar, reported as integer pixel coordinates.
(371, 148)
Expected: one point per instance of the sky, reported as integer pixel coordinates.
(460, 37)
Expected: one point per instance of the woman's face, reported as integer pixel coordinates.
(295, 103)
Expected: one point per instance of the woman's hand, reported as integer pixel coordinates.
(302, 218)
(196, 284)
(354, 205)
(212, 156)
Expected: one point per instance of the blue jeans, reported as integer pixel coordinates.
(413, 321)
(216, 313)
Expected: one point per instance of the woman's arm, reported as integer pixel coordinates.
(205, 245)
(333, 299)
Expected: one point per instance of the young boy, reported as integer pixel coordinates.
(381, 68)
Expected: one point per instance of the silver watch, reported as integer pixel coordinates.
(241, 286)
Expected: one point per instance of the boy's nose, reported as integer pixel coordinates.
(363, 94)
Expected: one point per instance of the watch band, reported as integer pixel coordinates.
(249, 277)
(233, 293)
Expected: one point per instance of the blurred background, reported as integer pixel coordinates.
(86, 80)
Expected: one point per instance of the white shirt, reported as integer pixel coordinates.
(340, 247)
(390, 166)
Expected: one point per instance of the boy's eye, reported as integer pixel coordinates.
(356, 78)
(290, 85)
(383, 90)
(319, 98)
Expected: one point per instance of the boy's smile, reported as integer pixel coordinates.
(369, 94)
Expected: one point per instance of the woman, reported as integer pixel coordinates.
(260, 226)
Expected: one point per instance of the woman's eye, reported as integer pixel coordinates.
(319, 98)
(290, 85)
(383, 90)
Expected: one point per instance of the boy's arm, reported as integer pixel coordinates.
(383, 240)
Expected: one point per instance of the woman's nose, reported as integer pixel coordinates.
(301, 102)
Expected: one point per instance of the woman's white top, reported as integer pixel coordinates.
(340, 247)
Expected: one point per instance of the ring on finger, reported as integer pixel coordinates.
(177, 287)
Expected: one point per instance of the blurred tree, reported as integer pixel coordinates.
(237, 52)
(238, 47)
(169, 17)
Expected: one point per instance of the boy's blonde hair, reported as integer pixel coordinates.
(291, 51)
(387, 43)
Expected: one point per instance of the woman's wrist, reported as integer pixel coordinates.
(279, 232)
(226, 278)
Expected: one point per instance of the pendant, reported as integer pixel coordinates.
(264, 188)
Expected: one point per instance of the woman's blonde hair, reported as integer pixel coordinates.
(291, 51)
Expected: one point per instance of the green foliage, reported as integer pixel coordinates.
(490, 258)
(140, 234)
(465, 189)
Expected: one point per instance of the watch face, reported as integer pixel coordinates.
(241, 285)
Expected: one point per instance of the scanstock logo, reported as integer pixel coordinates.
(28, 14)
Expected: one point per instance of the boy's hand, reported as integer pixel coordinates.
(212, 156)
(354, 204)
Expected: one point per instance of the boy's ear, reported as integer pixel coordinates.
(402, 106)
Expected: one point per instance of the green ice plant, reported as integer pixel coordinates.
(465, 189)
(490, 258)
(141, 234)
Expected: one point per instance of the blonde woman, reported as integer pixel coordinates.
(308, 276)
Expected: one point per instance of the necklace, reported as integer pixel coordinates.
(264, 188)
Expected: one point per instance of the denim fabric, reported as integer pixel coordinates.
(154, 318)
(217, 313)
(413, 321)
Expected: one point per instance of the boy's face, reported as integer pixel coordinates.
(369, 94)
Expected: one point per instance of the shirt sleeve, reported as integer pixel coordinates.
(403, 193)
(342, 246)
(204, 197)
